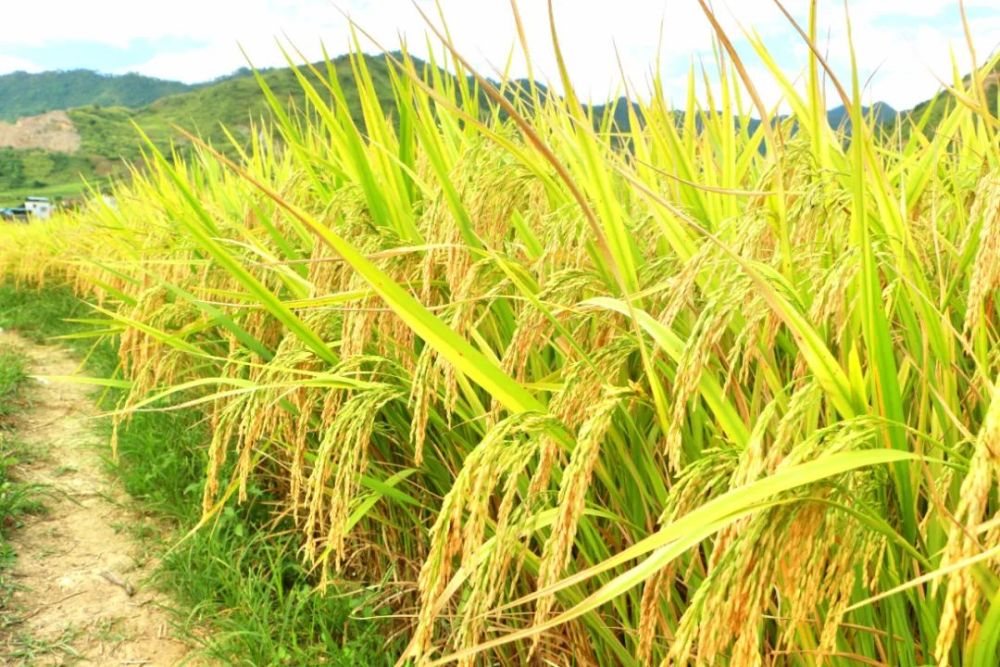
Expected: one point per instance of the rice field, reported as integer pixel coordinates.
(706, 391)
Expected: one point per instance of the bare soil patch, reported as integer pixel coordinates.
(52, 131)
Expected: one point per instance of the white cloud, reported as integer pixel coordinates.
(13, 64)
(904, 40)
(193, 65)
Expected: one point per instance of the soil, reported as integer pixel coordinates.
(52, 131)
(79, 560)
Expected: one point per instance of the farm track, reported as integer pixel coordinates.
(79, 561)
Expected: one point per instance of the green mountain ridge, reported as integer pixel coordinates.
(109, 140)
(28, 94)
(940, 103)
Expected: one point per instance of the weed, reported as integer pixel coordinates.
(12, 376)
(25, 650)
(16, 499)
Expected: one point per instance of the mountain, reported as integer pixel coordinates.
(234, 101)
(23, 94)
(47, 154)
(836, 117)
(105, 134)
(933, 110)
(880, 111)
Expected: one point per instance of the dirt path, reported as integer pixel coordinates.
(76, 561)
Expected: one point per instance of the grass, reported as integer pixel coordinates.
(12, 376)
(243, 600)
(16, 498)
(247, 600)
(40, 173)
(704, 392)
(25, 650)
(39, 314)
(23, 94)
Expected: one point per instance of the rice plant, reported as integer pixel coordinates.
(701, 391)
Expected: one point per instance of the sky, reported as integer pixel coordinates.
(902, 47)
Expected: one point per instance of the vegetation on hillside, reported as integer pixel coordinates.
(28, 94)
(109, 140)
(729, 396)
(928, 114)
(32, 171)
(235, 103)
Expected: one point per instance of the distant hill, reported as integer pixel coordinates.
(880, 111)
(934, 109)
(102, 109)
(232, 101)
(107, 136)
(836, 117)
(23, 94)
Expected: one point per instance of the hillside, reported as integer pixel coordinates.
(932, 110)
(50, 131)
(233, 102)
(106, 135)
(880, 111)
(23, 94)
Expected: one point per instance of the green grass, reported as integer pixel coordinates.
(43, 173)
(12, 375)
(16, 499)
(26, 94)
(39, 314)
(24, 650)
(244, 599)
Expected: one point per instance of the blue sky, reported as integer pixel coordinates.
(902, 45)
(63, 54)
